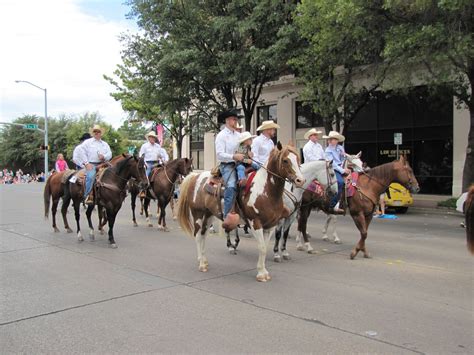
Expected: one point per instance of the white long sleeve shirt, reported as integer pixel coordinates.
(90, 150)
(76, 155)
(313, 151)
(227, 142)
(261, 148)
(164, 157)
(152, 152)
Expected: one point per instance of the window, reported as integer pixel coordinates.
(265, 113)
(197, 145)
(306, 117)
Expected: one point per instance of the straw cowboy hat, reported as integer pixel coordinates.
(244, 136)
(336, 135)
(267, 125)
(96, 128)
(311, 132)
(151, 134)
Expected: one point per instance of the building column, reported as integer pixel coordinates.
(209, 150)
(286, 120)
(461, 124)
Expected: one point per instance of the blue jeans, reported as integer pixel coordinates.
(340, 187)
(241, 169)
(149, 168)
(90, 179)
(230, 181)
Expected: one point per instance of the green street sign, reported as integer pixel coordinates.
(30, 126)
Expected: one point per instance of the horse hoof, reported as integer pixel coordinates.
(141, 213)
(102, 232)
(312, 251)
(300, 248)
(80, 238)
(233, 251)
(353, 255)
(92, 238)
(113, 246)
(367, 256)
(68, 230)
(277, 258)
(286, 257)
(56, 230)
(337, 241)
(268, 277)
(203, 268)
(150, 225)
(135, 224)
(262, 278)
(326, 238)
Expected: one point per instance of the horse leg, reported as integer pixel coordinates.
(276, 246)
(157, 210)
(133, 199)
(102, 218)
(200, 235)
(111, 219)
(89, 210)
(145, 208)
(263, 237)
(64, 207)
(368, 219)
(334, 233)
(161, 218)
(360, 223)
(141, 206)
(77, 214)
(302, 224)
(230, 246)
(54, 209)
(172, 208)
(284, 252)
(237, 239)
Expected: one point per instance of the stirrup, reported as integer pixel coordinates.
(89, 199)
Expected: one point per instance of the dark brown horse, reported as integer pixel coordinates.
(110, 191)
(369, 187)
(469, 215)
(261, 208)
(162, 187)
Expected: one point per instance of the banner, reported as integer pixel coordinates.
(159, 133)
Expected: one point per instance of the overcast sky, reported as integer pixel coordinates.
(65, 46)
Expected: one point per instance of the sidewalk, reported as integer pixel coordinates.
(429, 203)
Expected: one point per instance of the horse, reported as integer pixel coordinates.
(162, 187)
(469, 217)
(110, 191)
(54, 189)
(261, 208)
(320, 170)
(312, 201)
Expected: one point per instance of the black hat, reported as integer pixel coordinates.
(84, 137)
(229, 113)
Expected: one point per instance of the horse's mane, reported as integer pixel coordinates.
(281, 153)
(381, 172)
(121, 164)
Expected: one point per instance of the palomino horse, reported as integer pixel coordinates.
(322, 171)
(162, 187)
(110, 192)
(261, 208)
(312, 201)
(369, 187)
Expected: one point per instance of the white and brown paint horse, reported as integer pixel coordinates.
(320, 170)
(261, 208)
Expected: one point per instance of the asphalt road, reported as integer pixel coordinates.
(60, 296)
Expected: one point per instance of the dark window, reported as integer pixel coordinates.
(306, 117)
(197, 145)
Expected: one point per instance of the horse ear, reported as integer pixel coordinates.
(359, 154)
(330, 162)
(279, 146)
(124, 155)
(402, 159)
(291, 144)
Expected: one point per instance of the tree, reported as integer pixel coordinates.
(343, 42)
(437, 36)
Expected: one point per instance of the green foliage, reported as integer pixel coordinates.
(450, 203)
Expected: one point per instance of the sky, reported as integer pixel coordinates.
(65, 46)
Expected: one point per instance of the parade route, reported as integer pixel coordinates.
(415, 295)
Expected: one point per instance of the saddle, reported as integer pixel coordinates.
(67, 175)
(316, 188)
(155, 172)
(351, 183)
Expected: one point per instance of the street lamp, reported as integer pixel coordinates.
(46, 170)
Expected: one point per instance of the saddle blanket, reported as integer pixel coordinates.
(249, 182)
(351, 184)
(316, 188)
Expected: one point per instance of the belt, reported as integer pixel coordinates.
(151, 161)
(95, 162)
(228, 163)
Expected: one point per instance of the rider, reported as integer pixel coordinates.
(151, 151)
(263, 144)
(77, 150)
(335, 152)
(312, 150)
(227, 141)
(93, 152)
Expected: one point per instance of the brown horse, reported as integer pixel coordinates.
(54, 189)
(369, 187)
(261, 208)
(469, 215)
(110, 191)
(162, 187)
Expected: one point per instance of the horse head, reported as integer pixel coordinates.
(332, 187)
(287, 161)
(405, 176)
(185, 166)
(355, 162)
(138, 171)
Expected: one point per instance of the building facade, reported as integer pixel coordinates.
(434, 132)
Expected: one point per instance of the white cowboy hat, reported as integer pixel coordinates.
(311, 132)
(238, 126)
(267, 125)
(336, 135)
(244, 136)
(97, 128)
(151, 134)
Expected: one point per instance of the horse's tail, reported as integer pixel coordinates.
(47, 196)
(469, 213)
(184, 208)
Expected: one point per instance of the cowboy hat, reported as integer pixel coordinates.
(267, 125)
(311, 132)
(244, 136)
(238, 125)
(151, 134)
(84, 137)
(96, 128)
(336, 135)
(229, 113)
